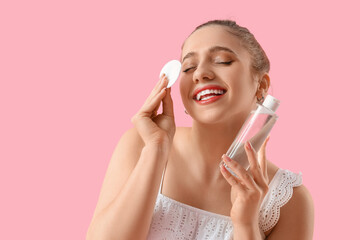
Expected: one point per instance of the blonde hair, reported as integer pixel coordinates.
(260, 62)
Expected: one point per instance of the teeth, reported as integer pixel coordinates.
(205, 98)
(208, 91)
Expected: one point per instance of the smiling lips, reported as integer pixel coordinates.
(208, 94)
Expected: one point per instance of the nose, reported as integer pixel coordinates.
(202, 73)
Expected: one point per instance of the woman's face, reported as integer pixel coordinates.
(212, 56)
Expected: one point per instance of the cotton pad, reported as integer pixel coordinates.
(172, 71)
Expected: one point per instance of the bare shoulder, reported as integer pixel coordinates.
(131, 138)
(128, 149)
(296, 218)
(271, 169)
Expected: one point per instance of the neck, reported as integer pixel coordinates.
(210, 142)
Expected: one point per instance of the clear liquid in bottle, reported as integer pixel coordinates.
(255, 129)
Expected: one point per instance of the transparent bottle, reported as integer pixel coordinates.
(255, 129)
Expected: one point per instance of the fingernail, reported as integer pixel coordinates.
(248, 145)
(226, 158)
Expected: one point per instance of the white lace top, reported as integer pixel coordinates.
(176, 220)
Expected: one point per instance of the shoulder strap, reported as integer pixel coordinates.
(162, 179)
(280, 192)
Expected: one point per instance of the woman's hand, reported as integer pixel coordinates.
(156, 128)
(249, 190)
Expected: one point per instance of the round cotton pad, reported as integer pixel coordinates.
(172, 71)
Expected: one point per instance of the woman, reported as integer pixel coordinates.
(197, 198)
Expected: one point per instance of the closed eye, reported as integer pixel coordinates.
(226, 63)
(187, 69)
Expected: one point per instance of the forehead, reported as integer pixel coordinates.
(204, 38)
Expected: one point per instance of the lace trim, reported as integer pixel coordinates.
(195, 209)
(277, 197)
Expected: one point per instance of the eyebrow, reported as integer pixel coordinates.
(211, 50)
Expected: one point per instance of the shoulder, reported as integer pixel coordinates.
(131, 140)
(131, 135)
(297, 217)
(300, 205)
(271, 169)
(129, 147)
(132, 143)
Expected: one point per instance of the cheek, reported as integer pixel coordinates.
(242, 86)
(241, 92)
(239, 88)
(185, 82)
(184, 87)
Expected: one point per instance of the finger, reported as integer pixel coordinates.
(243, 175)
(157, 107)
(149, 107)
(262, 158)
(160, 80)
(231, 179)
(156, 90)
(159, 86)
(168, 106)
(163, 85)
(228, 176)
(254, 165)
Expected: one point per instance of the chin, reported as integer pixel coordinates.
(209, 117)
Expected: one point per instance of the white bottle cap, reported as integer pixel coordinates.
(271, 103)
(172, 71)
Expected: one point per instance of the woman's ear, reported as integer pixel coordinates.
(264, 83)
(263, 86)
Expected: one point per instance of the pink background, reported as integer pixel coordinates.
(73, 73)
